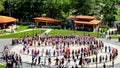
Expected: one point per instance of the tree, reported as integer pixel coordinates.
(59, 9)
(117, 17)
(83, 7)
(1, 5)
(108, 11)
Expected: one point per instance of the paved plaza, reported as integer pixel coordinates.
(114, 43)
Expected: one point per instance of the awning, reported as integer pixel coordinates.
(46, 19)
(6, 19)
(93, 22)
(81, 17)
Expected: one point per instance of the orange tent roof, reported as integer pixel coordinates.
(81, 17)
(47, 19)
(6, 19)
(93, 22)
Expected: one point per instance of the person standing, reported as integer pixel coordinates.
(39, 59)
(42, 52)
(45, 60)
(74, 60)
(109, 49)
(54, 53)
(106, 57)
(104, 65)
(76, 66)
(100, 59)
(112, 63)
(49, 61)
(41, 66)
(67, 65)
(56, 63)
(105, 49)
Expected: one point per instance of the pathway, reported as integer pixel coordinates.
(47, 31)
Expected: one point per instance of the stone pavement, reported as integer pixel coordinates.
(27, 58)
(26, 65)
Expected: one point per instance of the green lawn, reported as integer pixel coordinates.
(115, 37)
(67, 32)
(3, 32)
(19, 35)
(22, 27)
(1, 66)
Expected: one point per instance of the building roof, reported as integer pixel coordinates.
(81, 17)
(6, 19)
(45, 19)
(93, 22)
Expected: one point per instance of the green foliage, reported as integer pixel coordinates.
(117, 17)
(83, 7)
(102, 30)
(108, 10)
(118, 31)
(1, 5)
(28, 9)
(59, 9)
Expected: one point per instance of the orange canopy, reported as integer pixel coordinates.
(93, 22)
(6, 19)
(45, 19)
(81, 17)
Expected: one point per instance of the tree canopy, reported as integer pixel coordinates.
(59, 9)
(1, 5)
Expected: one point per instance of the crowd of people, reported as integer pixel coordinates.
(61, 46)
(12, 59)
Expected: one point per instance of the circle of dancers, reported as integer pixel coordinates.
(66, 51)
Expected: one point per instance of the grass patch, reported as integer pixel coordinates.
(115, 37)
(21, 34)
(22, 27)
(67, 32)
(3, 32)
(2, 66)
